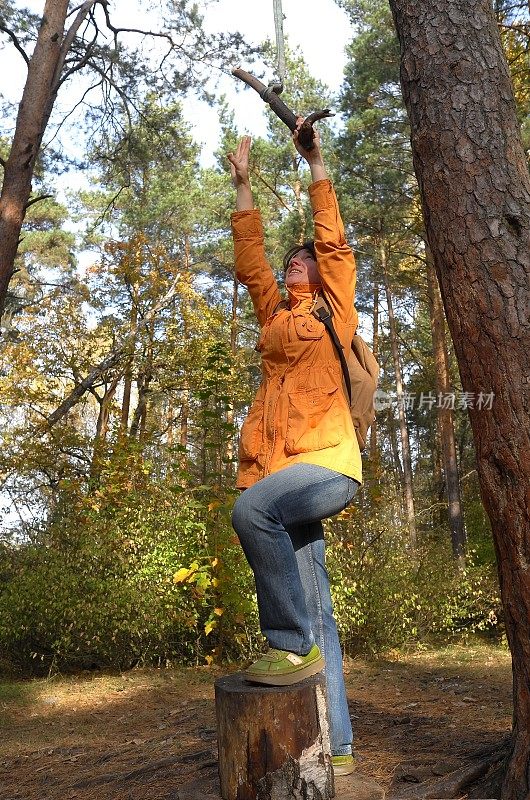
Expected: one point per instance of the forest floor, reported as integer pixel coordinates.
(149, 734)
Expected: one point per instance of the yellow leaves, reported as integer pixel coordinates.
(209, 660)
(212, 622)
(213, 505)
(183, 574)
(215, 582)
(215, 562)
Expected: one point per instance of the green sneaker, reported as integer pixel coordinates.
(343, 765)
(282, 668)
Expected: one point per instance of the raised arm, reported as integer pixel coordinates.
(335, 261)
(240, 176)
(252, 267)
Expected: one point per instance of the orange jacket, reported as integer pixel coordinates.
(301, 412)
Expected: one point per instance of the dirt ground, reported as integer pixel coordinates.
(150, 734)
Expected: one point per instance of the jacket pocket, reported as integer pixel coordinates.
(307, 327)
(251, 436)
(314, 421)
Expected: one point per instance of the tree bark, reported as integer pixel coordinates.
(139, 421)
(475, 192)
(405, 444)
(299, 205)
(445, 416)
(273, 740)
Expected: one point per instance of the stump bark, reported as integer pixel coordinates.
(273, 740)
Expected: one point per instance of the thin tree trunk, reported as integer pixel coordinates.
(40, 91)
(395, 453)
(128, 374)
(184, 413)
(375, 349)
(445, 415)
(405, 445)
(102, 424)
(169, 421)
(139, 421)
(185, 394)
(102, 427)
(438, 474)
(233, 350)
(475, 192)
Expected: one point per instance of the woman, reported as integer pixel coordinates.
(299, 458)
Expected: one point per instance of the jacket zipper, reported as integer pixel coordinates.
(271, 451)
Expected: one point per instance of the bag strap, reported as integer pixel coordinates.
(322, 312)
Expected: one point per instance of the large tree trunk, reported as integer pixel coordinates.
(408, 492)
(445, 415)
(475, 192)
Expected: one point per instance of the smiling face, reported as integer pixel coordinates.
(302, 269)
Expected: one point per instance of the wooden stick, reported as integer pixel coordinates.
(268, 95)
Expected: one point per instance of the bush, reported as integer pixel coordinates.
(146, 570)
(136, 572)
(387, 596)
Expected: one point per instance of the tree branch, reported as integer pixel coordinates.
(271, 189)
(72, 111)
(16, 42)
(117, 89)
(68, 39)
(108, 362)
(84, 61)
(37, 200)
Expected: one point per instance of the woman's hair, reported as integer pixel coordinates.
(308, 245)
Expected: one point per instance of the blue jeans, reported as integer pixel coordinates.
(278, 522)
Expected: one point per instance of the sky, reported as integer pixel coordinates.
(321, 41)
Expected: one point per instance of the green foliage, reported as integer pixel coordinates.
(138, 571)
(146, 571)
(386, 596)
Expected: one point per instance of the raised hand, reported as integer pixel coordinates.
(239, 163)
(314, 156)
(309, 155)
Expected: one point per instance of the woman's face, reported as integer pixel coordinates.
(302, 269)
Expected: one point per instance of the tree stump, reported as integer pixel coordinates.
(273, 740)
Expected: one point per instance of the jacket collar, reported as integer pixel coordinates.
(302, 296)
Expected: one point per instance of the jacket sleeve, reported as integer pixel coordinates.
(252, 267)
(335, 261)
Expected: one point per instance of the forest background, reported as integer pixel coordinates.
(125, 374)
